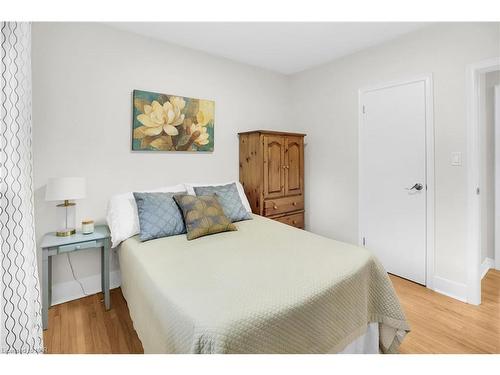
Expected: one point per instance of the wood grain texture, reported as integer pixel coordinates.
(294, 163)
(296, 220)
(277, 206)
(251, 169)
(439, 324)
(84, 326)
(274, 166)
(272, 171)
(276, 132)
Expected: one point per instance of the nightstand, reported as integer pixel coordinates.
(52, 245)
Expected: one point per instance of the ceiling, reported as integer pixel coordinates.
(278, 46)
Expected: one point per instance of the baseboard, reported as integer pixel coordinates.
(71, 290)
(450, 288)
(486, 265)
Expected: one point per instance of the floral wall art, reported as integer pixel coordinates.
(164, 122)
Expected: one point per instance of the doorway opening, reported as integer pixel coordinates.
(483, 99)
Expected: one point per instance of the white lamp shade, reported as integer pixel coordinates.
(65, 188)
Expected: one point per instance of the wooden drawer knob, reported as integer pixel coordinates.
(294, 203)
(295, 221)
(275, 207)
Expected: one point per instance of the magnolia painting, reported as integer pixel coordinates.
(172, 123)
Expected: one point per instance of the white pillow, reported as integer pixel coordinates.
(122, 217)
(241, 191)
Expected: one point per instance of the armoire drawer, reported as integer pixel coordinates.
(283, 205)
(295, 220)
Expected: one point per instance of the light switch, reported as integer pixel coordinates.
(456, 158)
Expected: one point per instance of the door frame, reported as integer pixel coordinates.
(497, 173)
(429, 162)
(473, 251)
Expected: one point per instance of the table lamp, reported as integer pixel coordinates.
(66, 189)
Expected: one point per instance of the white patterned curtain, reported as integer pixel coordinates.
(20, 308)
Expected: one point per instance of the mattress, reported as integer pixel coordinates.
(266, 288)
(367, 343)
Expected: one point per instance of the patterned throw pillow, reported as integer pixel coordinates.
(229, 199)
(159, 215)
(203, 215)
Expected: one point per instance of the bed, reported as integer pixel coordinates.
(266, 288)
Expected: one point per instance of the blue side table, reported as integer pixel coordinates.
(52, 245)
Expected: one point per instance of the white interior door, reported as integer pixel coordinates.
(393, 184)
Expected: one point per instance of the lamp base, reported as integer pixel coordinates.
(66, 232)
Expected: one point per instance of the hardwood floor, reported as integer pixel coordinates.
(84, 326)
(439, 324)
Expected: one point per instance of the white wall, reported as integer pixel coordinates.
(83, 77)
(487, 133)
(84, 74)
(325, 100)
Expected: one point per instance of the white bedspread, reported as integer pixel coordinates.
(267, 288)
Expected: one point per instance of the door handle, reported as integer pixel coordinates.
(417, 186)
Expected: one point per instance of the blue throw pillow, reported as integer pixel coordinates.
(159, 215)
(228, 198)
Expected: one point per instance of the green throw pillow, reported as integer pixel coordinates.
(203, 215)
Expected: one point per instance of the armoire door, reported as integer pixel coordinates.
(274, 154)
(294, 164)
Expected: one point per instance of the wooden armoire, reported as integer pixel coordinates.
(272, 174)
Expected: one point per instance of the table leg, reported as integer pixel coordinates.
(49, 261)
(46, 293)
(102, 269)
(105, 274)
